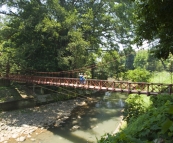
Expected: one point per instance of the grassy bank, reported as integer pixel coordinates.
(8, 94)
(162, 77)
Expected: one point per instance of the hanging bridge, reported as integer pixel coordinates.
(94, 84)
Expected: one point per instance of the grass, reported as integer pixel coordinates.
(8, 94)
(3, 87)
(123, 125)
(162, 77)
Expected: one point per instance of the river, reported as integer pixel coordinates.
(86, 123)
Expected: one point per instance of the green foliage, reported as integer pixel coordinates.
(140, 60)
(161, 77)
(110, 65)
(153, 21)
(155, 124)
(59, 35)
(129, 59)
(154, 64)
(119, 138)
(135, 106)
(9, 94)
(160, 100)
(138, 75)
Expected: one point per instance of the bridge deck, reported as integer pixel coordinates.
(105, 85)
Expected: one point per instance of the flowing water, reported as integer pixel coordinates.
(87, 123)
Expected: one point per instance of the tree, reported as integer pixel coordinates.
(110, 65)
(56, 35)
(129, 58)
(141, 58)
(44, 37)
(7, 61)
(138, 75)
(153, 22)
(154, 64)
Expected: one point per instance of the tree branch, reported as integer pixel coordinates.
(10, 14)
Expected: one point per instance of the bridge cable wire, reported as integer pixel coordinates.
(65, 93)
(80, 69)
(86, 67)
(94, 66)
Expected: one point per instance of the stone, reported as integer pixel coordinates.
(1, 124)
(21, 139)
(15, 136)
(28, 136)
(74, 122)
(66, 117)
(43, 116)
(32, 139)
(24, 125)
(75, 127)
(2, 139)
(9, 128)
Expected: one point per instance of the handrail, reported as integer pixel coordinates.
(115, 86)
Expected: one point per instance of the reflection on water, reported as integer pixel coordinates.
(87, 122)
(121, 103)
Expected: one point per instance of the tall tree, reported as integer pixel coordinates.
(44, 36)
(140, 60)
(55, 35)
(110, 65)
(129, 58)
(154, 22)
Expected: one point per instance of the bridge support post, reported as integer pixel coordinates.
(33, 88)
(100, 85)
(129, 88)
(148, 92)
(113, 86)
(42, 91)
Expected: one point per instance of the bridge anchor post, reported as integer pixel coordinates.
(33, 89)
(148, 93)
(129, 88)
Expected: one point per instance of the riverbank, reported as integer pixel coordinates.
(18, 125)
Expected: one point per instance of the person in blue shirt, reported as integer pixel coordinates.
(83, 80)
(80, 78)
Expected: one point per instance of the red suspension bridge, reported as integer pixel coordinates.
(105, 85)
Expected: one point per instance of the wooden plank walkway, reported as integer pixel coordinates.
(105, 85)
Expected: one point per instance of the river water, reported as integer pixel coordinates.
(87, 123)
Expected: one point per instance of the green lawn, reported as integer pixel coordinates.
(162, 77)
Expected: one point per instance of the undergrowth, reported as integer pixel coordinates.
(150, 119)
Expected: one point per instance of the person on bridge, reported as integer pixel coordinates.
(80, 78)
(83, 80)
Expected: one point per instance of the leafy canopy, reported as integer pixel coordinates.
(153, 23)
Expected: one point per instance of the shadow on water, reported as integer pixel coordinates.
(86, 123)
(86, 120)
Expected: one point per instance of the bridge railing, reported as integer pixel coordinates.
(119, 86)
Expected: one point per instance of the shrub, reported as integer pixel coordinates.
(160, 100)
(135, 106)
(152, 120)
(154, 124)
(119, 138)
(138, 75)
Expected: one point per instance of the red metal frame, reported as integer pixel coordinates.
(116, 86)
